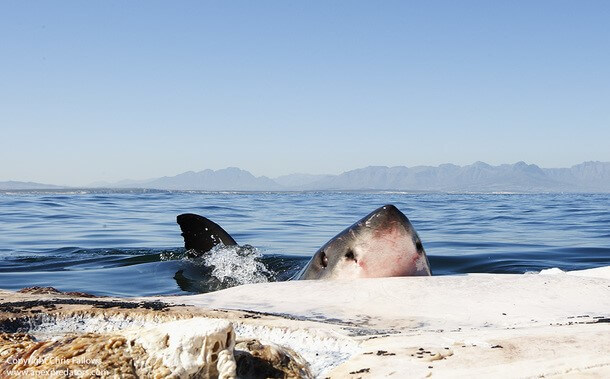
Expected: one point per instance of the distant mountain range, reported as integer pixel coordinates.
(14, 185)
(477, 177)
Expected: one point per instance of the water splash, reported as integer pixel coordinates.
(172, 255)
(236, 265)
(224, 267)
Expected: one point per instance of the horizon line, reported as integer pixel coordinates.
(100, 183)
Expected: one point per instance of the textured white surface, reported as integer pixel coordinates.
(464, 326)
(479, 325)
(188, 347)
(424, 303)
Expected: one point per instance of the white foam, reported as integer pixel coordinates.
(236, 265)
(552, 271)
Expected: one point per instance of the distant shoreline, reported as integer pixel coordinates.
(86, 191)
(479, 177)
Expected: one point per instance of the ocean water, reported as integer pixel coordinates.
(127, 243)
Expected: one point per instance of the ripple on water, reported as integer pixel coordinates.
(128, 242)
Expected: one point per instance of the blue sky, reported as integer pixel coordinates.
(104, 90)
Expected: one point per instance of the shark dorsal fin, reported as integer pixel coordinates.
(201, 234)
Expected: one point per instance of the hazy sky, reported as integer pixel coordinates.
(105, 90)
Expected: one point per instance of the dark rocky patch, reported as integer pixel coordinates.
(361, 371)
(384, 353)
(27, 305)
(53, 291)
(255, 360)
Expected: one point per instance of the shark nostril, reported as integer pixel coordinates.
(350, 255)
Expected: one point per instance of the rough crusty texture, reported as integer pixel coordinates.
(84, 356)
(255, 360)
(93, 355)
(154, 351)
(193, 348)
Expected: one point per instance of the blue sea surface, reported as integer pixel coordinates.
(127, 243)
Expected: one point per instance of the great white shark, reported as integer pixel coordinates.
(383, 243)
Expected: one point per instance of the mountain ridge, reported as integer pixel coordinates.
(590, 176)
(20, 185)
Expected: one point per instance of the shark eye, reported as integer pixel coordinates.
(350, 255)
(323, 259)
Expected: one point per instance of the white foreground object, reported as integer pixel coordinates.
(483, 325)
(185, 349)
(198, 347)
